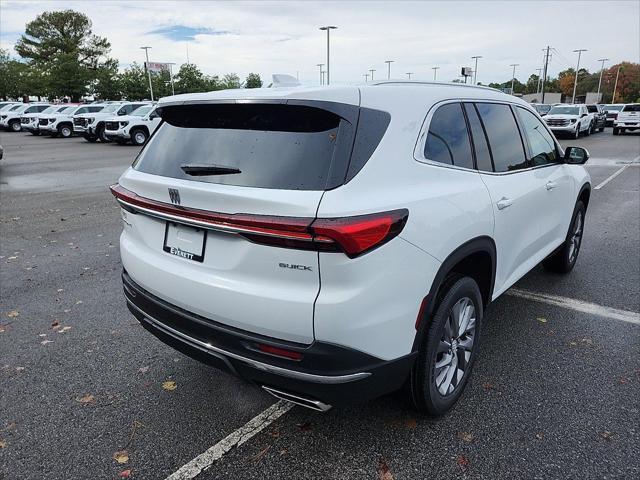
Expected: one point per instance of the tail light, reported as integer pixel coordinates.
(280, 352)
(351, 235)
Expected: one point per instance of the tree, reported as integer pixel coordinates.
(107, 84)
(161, 82)
(253, 81)
(190, 79)
(628, 89)
(230, 80)
(62, 46)
(134, 84)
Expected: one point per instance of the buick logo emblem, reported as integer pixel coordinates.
(174, 196)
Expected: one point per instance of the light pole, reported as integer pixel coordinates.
(371, 70)
(322, 72)
(475, 69)
(539, 70)
(575, 83)
(146, 67)
(615, 86)
(409, 75)
(435, 71)
(513, 77)
(320, 65)
(328, 28)
(389, 62)
(601, 70)
(173, 90)
(366, 77)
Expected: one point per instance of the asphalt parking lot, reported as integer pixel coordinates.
(85, 392)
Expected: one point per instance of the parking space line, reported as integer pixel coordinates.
(611, 177)
(579, 306)
(235, 439)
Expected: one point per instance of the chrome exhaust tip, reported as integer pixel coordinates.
(316, 405)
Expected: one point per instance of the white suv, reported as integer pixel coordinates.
(61, 123)
(627, 119)
(136, 127)
(91, 127)
(570, 120)
(332, 244)
(10, 118)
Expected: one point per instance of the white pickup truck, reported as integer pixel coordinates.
(135, 128)
(91, 127)
(628, 119)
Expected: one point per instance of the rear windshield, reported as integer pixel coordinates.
(265, 145)
(542, 108)
(613, 108)
(631, 108)
(592, 108)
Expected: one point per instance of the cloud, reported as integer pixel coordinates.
(184, 33)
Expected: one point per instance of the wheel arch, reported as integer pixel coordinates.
(475, 258)
(585, 194)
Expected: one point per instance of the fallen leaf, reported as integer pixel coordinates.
(261, 454)
(169, 385)
(274, 433)
(462, 462)
(11, 258)
(283, 451)
(87, 398)
(488, 386)
(465, 437)
(78, 302)
(143, 369)
(125, 474)
(411, 423)
(542, 320)
(44, 342)
(13, 314)
(607, 435)
(384, 473)
(305, 426)
(121, 456)
(3, 443)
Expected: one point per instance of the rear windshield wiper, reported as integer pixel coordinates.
(201, 170)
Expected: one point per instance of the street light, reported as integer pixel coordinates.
(513, 77)
(601, 70)
(366, 77)
(389, 62)
(475, 70)
(146, 67)
(372, 70)
(575, 83)
(435, 71)
(320, 65)
(322, 72)
(328, 28)
(409, 75)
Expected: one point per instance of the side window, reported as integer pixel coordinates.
(153, 115)
(543, 148)
(448, 139)
(504, 136)
(480, 143)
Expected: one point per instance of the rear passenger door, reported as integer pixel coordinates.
(515, 191)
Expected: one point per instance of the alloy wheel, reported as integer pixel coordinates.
(455, 347)
(576, 238)
(140, 138)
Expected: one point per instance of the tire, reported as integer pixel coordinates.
(592, 127)
(35, 132)
(65, 131)
(564, 258)
(90, 138)
(436, 385)
(622, 130)
(576, 135)
(616, 131)
(587, 132)
(15, 126)
(101, 135)
(139, 137)
(601, 129)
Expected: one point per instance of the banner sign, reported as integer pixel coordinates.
(157, 66)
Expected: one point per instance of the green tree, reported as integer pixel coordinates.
(190, 79)
(63, 47)
(161, 82)
(10, 76)
(230, 80)
(134, 84)
(253, 81)
(107, 85)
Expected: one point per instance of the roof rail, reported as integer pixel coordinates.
(419, 82)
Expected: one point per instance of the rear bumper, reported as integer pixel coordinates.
(329, 373)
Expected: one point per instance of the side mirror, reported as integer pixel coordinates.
(121, 113)
(583, 115)
(576, 155)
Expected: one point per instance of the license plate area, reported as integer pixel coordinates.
(184, 241)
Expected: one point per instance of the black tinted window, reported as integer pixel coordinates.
(504, 136)
(274, 146)
(543, 148)
(483, 154)
(592, 108)
(448, 139)
(631, 108)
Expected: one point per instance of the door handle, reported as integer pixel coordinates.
(504, 202)
(551, 185)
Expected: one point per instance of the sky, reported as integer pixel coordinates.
(282, 37)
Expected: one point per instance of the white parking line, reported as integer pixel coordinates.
(578, 305)
(611, 177)
(235, 439)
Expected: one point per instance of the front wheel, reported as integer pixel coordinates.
(448, 349)
(65, 131)
(100, 133)
(15, 126)
(564, 258)
(577, 132)
(139, 137)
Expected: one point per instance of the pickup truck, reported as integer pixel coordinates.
(612, 112)
(91, 127)
(61, 123)
(135, 128)
(569, 119)
(10, 119)
(628, 119)
(599, 117)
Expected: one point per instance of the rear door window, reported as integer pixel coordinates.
(260, 145)
(448, 139)
(504, 136)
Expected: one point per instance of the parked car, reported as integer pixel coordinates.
(332, 245)
(135, 128)
(542, 108)
(30, 121)
(7, 105)
(61, 123)
(612, 111)
(599, 117)
(10, 119)
(91, 127)
(569, 120)
(628, 119)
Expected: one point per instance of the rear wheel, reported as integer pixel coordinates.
(564, 259)
(138, 137)
(616, 131)
(448, 349)
(65, 131)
